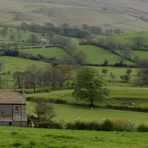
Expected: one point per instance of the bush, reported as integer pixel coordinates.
(17, 144)
(127, 126)
(139, 109)
(48, 100)
(70, 126)
(94, 126)
(52, 125)
(107, 125)
(42, 124)
(81, 125)
(55, 125)
(142, 128)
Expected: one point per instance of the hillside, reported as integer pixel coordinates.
(127, 15)
(82, 66)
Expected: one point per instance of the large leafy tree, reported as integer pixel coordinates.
(90, 86)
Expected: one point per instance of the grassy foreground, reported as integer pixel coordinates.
(42, 138)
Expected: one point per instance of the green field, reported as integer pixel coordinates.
(96, 55)
(118, 95)
(71, 113)
(13, 64)
(11, 31)
(141, 54)
(27, 137)
(53, 52)
(128, 38)
(117, 72)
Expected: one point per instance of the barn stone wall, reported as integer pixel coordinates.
(13, 115)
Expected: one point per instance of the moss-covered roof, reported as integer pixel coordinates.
(12, 98)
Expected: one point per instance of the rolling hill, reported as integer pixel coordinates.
(127, 15)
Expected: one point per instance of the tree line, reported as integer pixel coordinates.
(42, 78)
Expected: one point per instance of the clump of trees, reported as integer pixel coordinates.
(92, 29)
(48, 77)
(90, 86)
(139, 42)
(143, 73)
(127, 76)
(63, 30)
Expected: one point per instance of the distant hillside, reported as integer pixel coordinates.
(128, 15)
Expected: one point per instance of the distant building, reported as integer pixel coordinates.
(12, 109)
(44, 41)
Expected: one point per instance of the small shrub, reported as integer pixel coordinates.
(127, 126)
(17, 144)
(42, 124)
(142, 128)
(55, 125)
(70, 126)
(32, 143)
(81, 125)
(13, 132)
(139, 109)
(107, 125)
(93, 126)
(60, 101)
(52, 125)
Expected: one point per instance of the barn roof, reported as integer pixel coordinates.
(12, 98)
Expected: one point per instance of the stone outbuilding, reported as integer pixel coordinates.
(12, 109)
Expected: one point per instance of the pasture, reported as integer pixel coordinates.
(79, 110)
(118, 96)
(96, 55)
(13, 64)
(51, 52)
(28, 137)
(128, 38)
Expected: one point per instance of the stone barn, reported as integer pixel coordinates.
(12, 109)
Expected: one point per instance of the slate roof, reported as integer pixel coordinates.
(12, 98)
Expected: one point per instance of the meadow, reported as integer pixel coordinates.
(29, 137)
(71, 113)
(118, 96)
(13, 64)
(96, 55)
(128, 38)
(10, 65)
(79, 109)
(51, 52)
